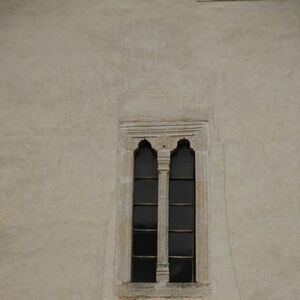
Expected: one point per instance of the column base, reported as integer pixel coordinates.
(162, 273)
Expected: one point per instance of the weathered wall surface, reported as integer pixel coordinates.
(70, 70)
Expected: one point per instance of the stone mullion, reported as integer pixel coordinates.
(162, 271)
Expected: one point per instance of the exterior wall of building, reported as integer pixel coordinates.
(72, 70)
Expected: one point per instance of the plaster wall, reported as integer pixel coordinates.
(71, 70)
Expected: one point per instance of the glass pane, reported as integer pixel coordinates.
(182, 191)
(143, 269)
(145, 161)
(144, 217)
(182, 161)
(181, 217)
(145, 191)
(181, 244)
(181, 270)
(144, 243)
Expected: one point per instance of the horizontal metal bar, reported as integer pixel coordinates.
(144, 256)
(145, 204)
(145, 230)
(171, 256)
(145, 178)
(182, 178)
(181, 204)
(186, 257)
(182, 231)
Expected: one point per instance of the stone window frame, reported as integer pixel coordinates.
(163, 137)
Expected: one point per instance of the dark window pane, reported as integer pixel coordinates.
(143, 269)
(144, 243)
(181, 217)
(144, 217)
(145, 161)
(181, 244)
(182, 191)
(181, 270)
(145, 191)
(182, 161)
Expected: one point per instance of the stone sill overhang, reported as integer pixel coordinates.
(163, 290)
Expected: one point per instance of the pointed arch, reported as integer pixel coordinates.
(145, 163)
(183, 160)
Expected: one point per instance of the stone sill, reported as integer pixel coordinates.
(163, 290)
(227, 0)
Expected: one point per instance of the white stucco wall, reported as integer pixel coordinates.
(70, 70)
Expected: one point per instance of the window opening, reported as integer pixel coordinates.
(182, 214)
(144, 235)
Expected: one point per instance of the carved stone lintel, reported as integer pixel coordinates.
(164, 135)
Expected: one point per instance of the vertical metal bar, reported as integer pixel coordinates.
(162, 270)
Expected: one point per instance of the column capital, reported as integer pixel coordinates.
(163, 160)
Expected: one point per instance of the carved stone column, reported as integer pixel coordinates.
(162, 271)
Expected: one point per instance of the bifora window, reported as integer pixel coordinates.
(162, 224)
(181, 262)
